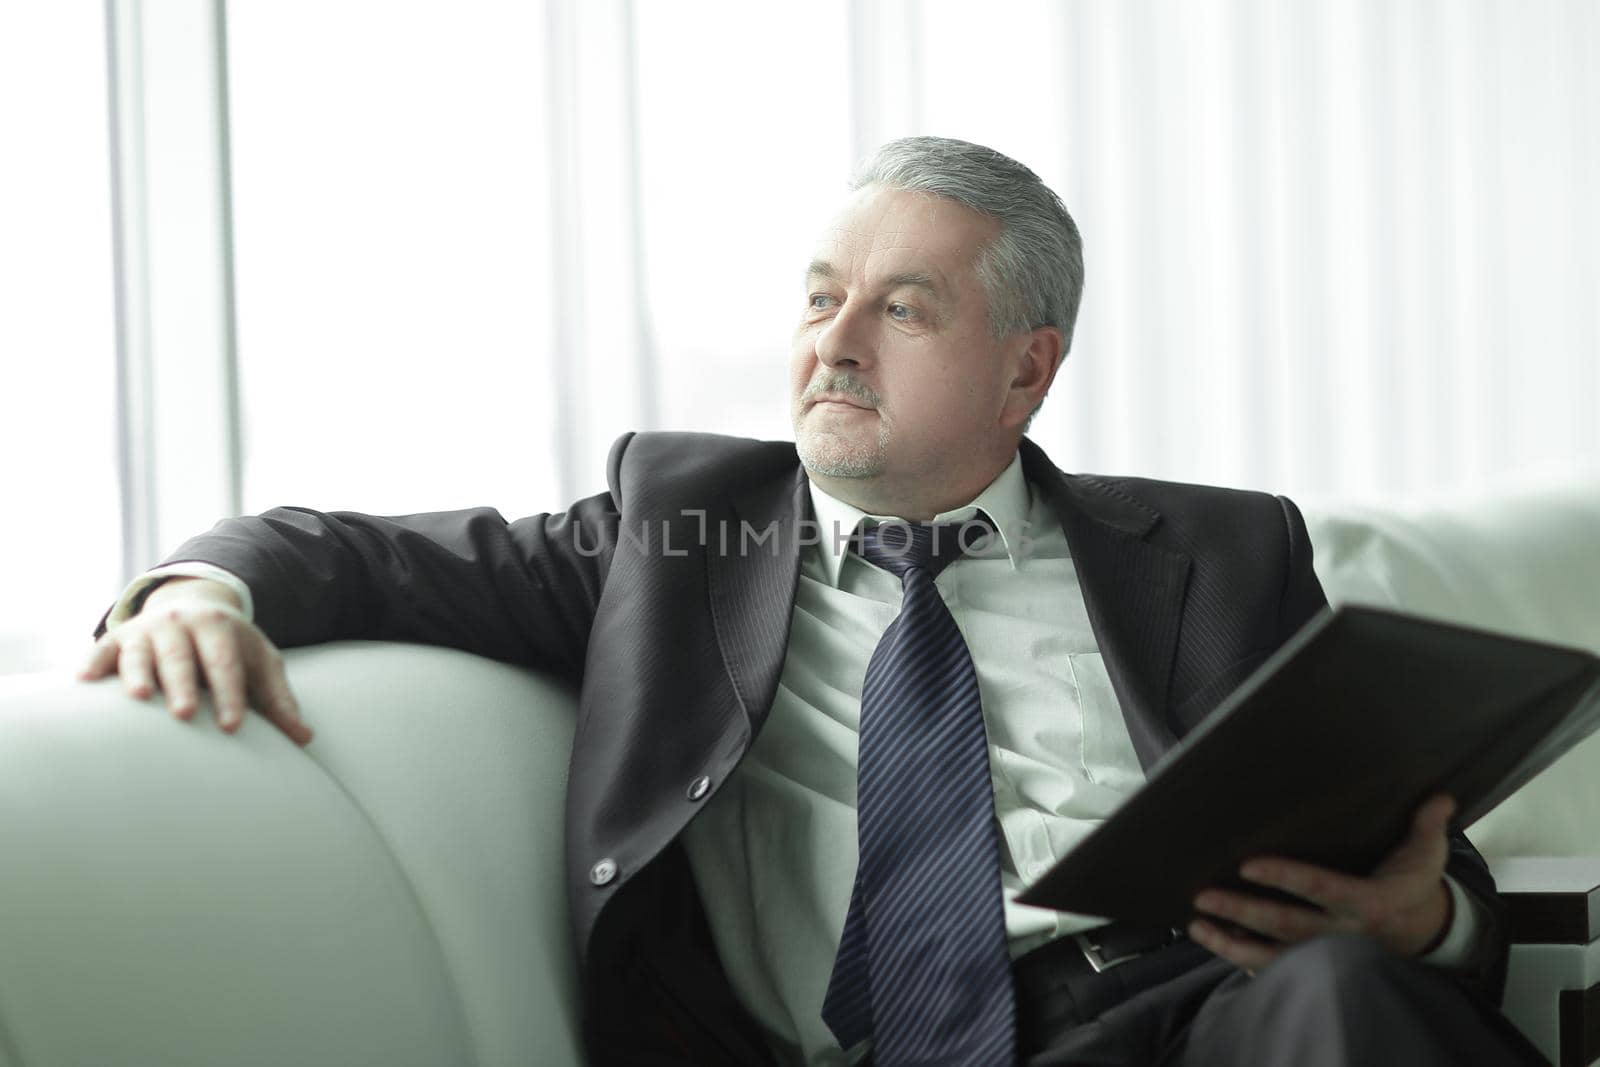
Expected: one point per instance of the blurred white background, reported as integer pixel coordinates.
(400, 256)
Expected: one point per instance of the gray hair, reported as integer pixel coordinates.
(1033, 271)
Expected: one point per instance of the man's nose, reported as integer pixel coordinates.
(845, 340)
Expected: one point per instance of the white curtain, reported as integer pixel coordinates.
(1344, 249)
(1335, 249)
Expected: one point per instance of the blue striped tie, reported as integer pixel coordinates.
(922, 966)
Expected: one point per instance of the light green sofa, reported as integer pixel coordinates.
(392, 895)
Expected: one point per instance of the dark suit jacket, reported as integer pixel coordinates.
(668, 599)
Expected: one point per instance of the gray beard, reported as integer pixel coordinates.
(833, 462)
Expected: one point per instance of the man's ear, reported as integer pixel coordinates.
(1035, 357)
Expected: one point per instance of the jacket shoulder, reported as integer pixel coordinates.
(1175, 500)
(1139, 505)
(1216, 519)
(679, 469)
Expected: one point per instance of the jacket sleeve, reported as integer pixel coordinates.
(523, 591)
(1485, 967)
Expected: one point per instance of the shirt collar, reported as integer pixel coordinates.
(1005, 501)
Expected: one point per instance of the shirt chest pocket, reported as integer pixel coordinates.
(1109, 758)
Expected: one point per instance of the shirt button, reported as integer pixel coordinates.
(698, 788)
(603, 872)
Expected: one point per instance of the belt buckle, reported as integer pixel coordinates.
(1091, 952)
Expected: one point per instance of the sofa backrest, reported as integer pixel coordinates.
(1526, 564)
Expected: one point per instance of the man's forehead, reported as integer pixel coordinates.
(884, 231)
(846, 255)
(843, 252)
(858, 239)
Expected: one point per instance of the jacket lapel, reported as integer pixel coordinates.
(1134, 592)
(752, 568)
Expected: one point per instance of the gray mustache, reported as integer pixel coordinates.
(839, 382)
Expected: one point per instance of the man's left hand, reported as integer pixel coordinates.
(1403, 904)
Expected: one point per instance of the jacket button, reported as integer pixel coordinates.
(603, 872)
(699, 788)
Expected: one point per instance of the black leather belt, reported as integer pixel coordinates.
(1105, 947)
(1073, 979)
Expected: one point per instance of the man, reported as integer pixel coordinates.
(820, 751)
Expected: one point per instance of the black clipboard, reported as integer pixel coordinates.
(1325, 753)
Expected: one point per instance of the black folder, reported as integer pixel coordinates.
(1325, 753)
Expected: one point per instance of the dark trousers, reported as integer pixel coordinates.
(1331, 1002)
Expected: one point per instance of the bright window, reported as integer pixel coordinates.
(60, 535)
(393, 284)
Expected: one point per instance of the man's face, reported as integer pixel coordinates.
(894, 373)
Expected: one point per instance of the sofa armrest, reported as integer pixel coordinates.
(391, 894)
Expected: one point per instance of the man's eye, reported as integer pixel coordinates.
(820, 301)
(901, 313)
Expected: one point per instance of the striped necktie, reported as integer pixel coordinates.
(923, 968)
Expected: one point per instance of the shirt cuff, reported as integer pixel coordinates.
(1466, 925)
(133, 596)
